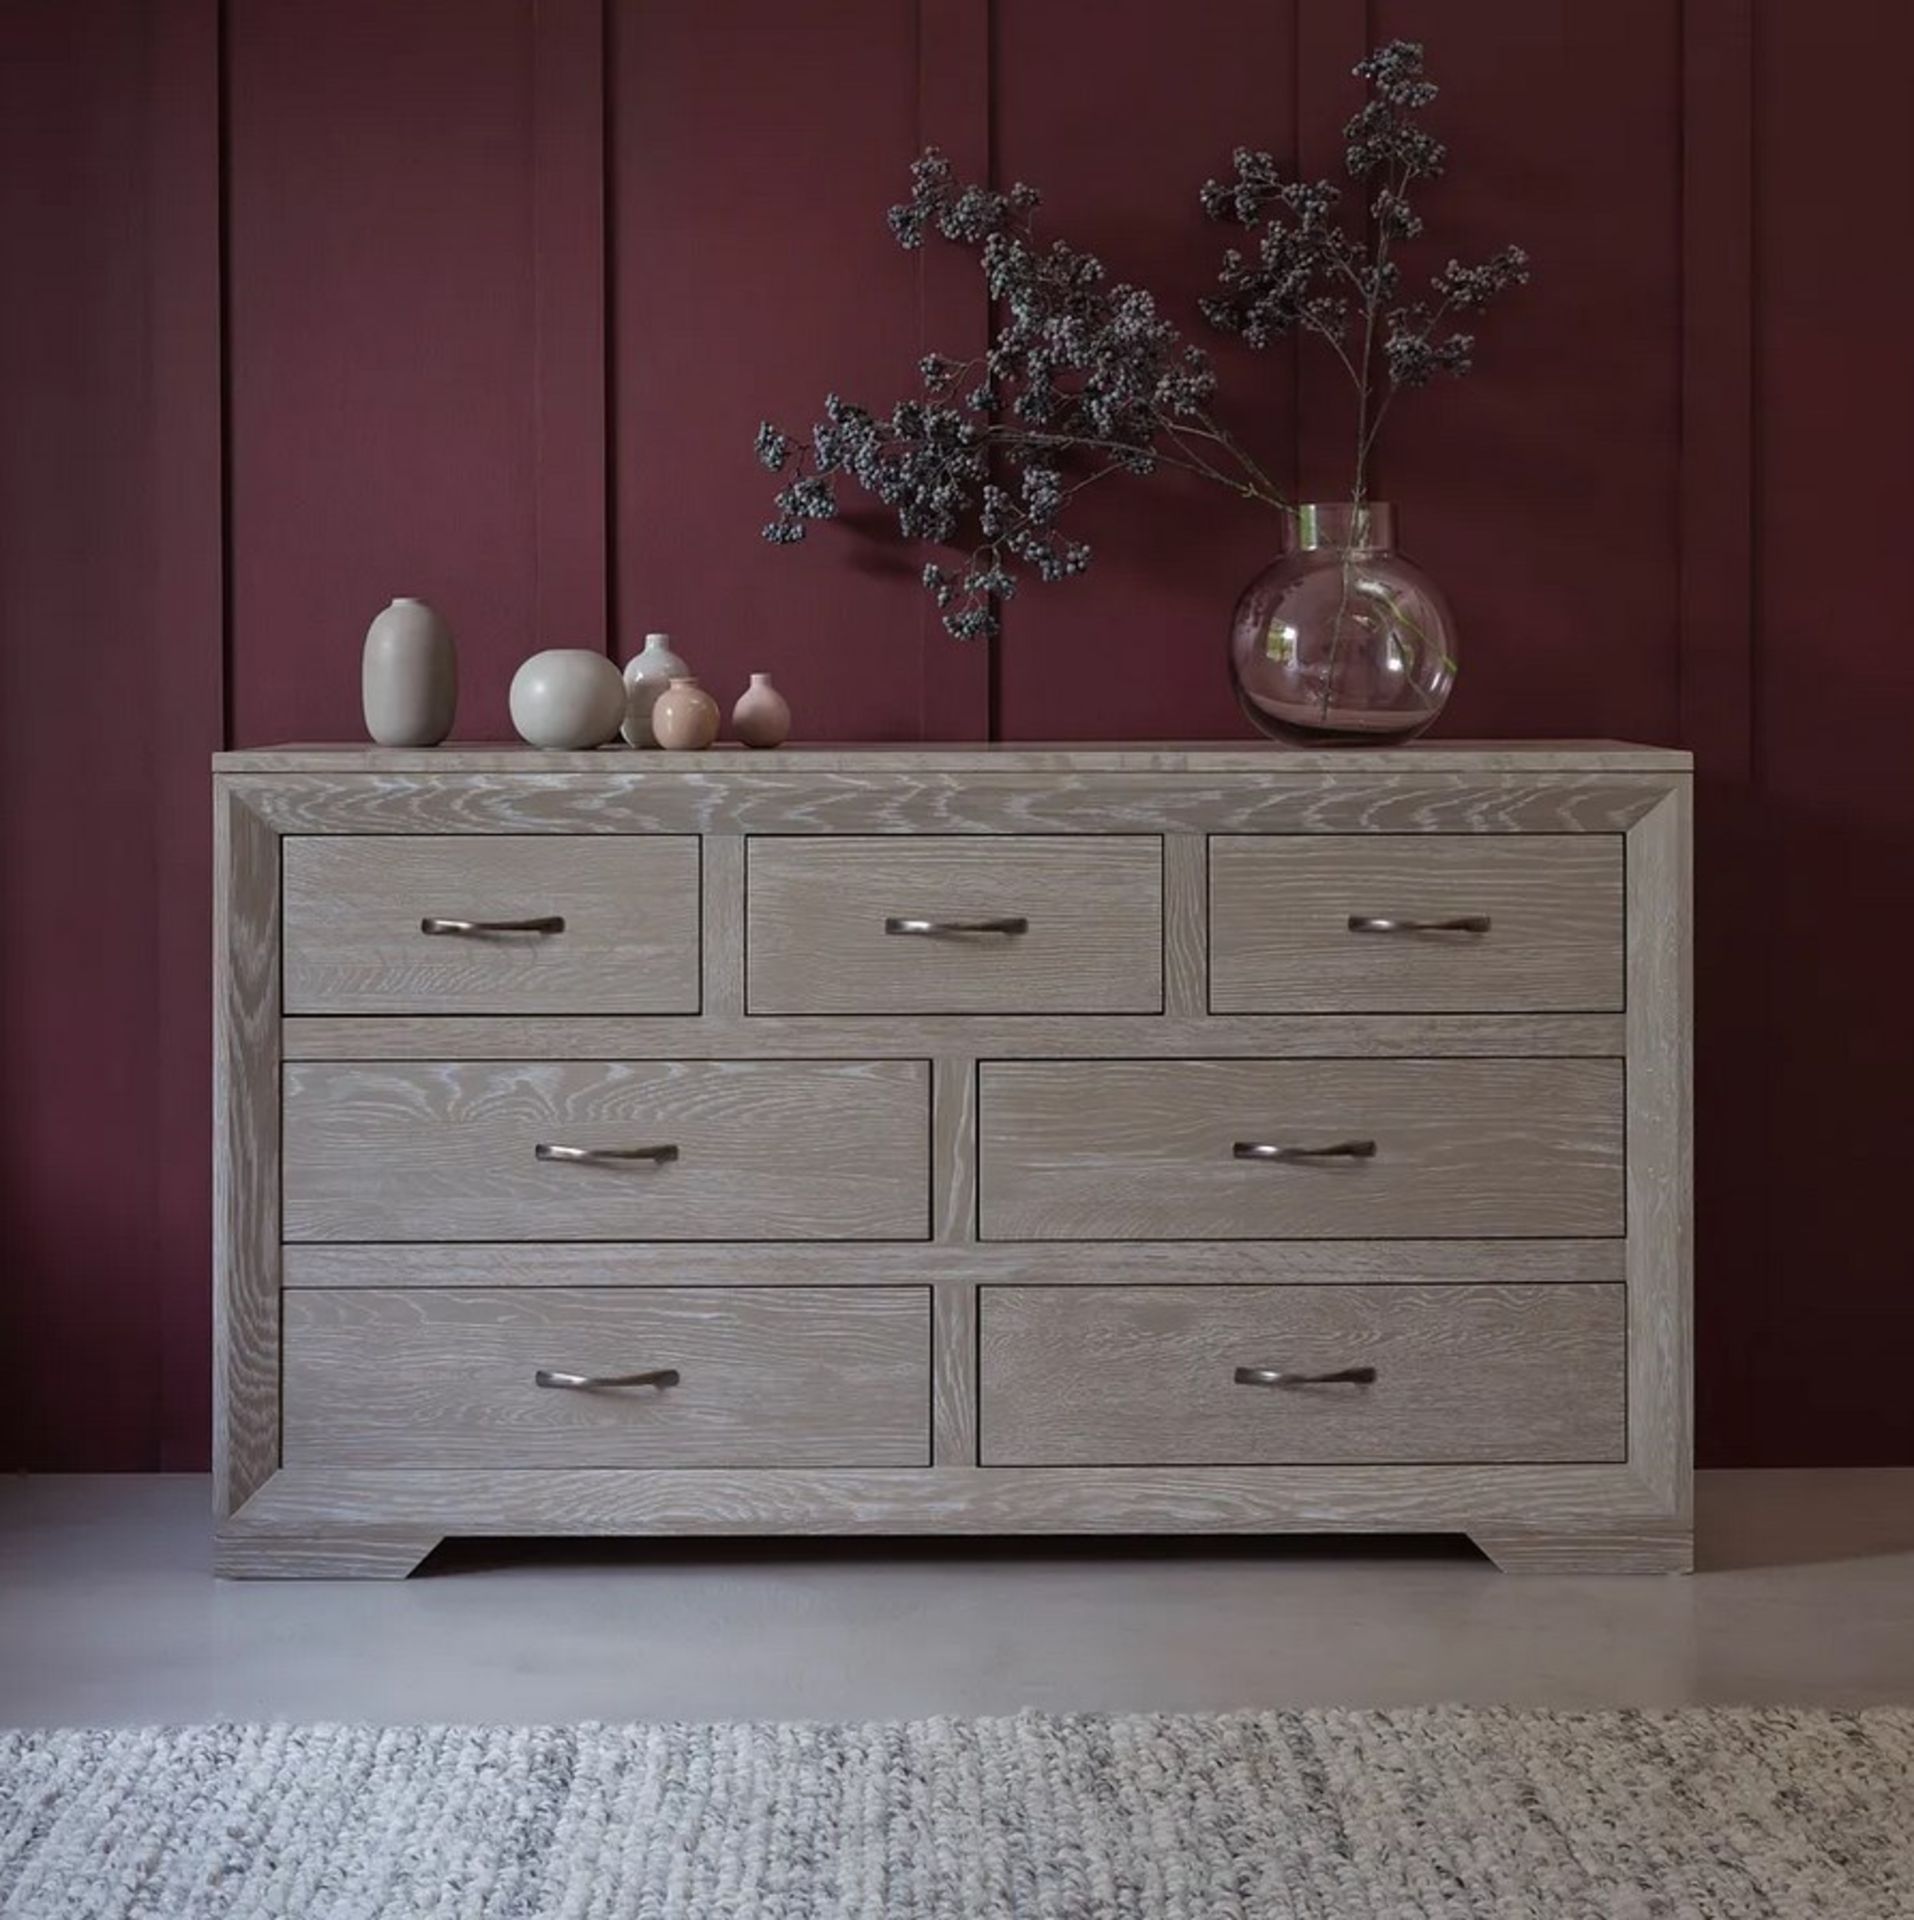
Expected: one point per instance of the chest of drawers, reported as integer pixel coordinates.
(952, 1140)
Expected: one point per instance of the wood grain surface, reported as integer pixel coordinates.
(715, 1036)
(724, 928)
(354, 945)
(1280, 939)
(1053, 1263)
(246, 1152)
(1092, 943)
(333, 1553)
(1661, 1176)
(791, 1150)
(962, 1500)
(791, 1376)
(1008, 756)
(953, 1409)
(1113, 1150)
(953, 1148)
(768, 800)
(1143, 1376)
(1186, 883)
(1589, 1550)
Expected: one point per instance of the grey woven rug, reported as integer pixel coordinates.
(1707, 1815)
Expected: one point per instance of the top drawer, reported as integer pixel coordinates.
(1011, 923)
(1545, 933)
(624, 937)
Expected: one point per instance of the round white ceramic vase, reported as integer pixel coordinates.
(762, 717)
(568, 697)
(647, 674)
(409, 676)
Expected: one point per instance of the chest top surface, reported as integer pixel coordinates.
(1202, 757)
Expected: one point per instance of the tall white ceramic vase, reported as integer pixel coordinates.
(409, 676)
(647, 674)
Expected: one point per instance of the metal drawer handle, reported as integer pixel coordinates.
(603, 1156)
(1275, 1377)
(1001, 923)
(1382, 923)
(539, 923)
(1336, 1150)
(588, 1382)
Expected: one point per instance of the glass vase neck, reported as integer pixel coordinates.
(1369, 528)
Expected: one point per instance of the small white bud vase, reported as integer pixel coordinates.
(409, 676)
(685, 717)
(569, 697)
(647, 674)
(762, 717)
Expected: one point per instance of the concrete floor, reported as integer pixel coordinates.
(108, 1616)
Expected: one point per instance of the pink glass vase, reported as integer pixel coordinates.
(1342, 640)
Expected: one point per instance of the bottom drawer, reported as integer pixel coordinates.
(1147, 1376)
(766, 1376)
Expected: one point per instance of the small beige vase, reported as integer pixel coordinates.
(409, 676)
(762, 717)
(684, 718)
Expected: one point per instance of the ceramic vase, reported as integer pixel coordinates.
(409, 676)
(568, 697)
(685, 717)
(647, 674)
(762, 717)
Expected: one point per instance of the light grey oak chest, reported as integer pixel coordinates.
(954, 1140)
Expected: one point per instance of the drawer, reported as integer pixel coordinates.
(1149, 1149)
(877, 925)
(766, 1377)
(628, 942)
(1281, 939)
(1147, 1376)
(750, 1150)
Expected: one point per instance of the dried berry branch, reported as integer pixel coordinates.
(1305, 258)
(1086, 378)
(1083, 378)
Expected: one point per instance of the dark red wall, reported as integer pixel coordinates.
(313, 304)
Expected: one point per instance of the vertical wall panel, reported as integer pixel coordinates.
(1820, 1307)
(1736, 1280)
(756, 146)
(1543, 490)
(381, 303)
(82, 707)
(1331, 37)
(953, 89)
(1120, 127)
(570, 557)
(185, 630)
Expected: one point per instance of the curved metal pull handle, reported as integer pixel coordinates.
(538, 923)
(1275, 1377)
(1336, 1150)
(604, 1156)
(1383, 923)
(589, 1382)
(1001, 923)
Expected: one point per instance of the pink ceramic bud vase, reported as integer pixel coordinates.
(685, 717)
(762, 717)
